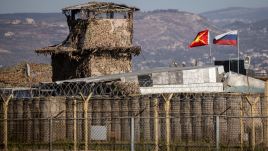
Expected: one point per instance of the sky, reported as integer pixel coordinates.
(195, 6)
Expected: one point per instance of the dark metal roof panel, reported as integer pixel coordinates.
(98, 6)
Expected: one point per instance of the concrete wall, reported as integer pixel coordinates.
(205, 75)
(164, 78)
(192, 80)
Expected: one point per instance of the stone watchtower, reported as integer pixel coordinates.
(99, 42)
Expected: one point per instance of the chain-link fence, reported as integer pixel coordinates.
(132, 133)
(179, 121)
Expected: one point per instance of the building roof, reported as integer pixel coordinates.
(244, 89)
(142, 72)
(101, 7)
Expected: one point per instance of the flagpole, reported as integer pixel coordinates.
(209, 43)
(237, 52)
(210, 56)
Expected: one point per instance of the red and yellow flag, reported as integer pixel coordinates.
(201, 39)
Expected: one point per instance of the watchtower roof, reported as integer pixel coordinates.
(104, 7)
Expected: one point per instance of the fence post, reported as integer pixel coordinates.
(86, 118)
(167, 109)
(50, 133)
(217, 133)
(252, 102)
(265, 112)
(5, 130)
(132, 134)
(253, 137)
(75, 129)
(241, 125)
(156, 122)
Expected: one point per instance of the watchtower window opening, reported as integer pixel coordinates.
(122, 15)
(112, 15)
(83, 15)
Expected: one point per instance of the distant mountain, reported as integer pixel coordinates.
(252, 24)
(253, 41)
(48, 17)
(163, 34)
(233, 14)
(21, 33)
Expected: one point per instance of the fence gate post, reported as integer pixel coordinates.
(253, 137)
(86, 118)
(167, 110)
(241, 125)
(132, 134)
(156, 122)
(252, 102)
(75, 129)
(265, 112)
(5, 130)
(217, 133)
(50, 133)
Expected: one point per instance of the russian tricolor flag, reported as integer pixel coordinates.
(229, 38)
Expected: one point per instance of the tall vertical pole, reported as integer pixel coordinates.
(5, 106)
(86, 118)
(75, 129)
(156, 126)
(210, 55)
(86, 124)
(5, 130)
(241, 125)
(229, 65)
(252, 104)
(238, 52)
(253, 137)
(167, 110)
(217, 133)
(265, 112)
(254, 113)
(50, 133)
(132, 134)
(168, 124)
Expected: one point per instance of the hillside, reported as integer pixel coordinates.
(163, 34)
(233, 14)
(252, 24)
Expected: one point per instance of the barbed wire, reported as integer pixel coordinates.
(108, 88)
